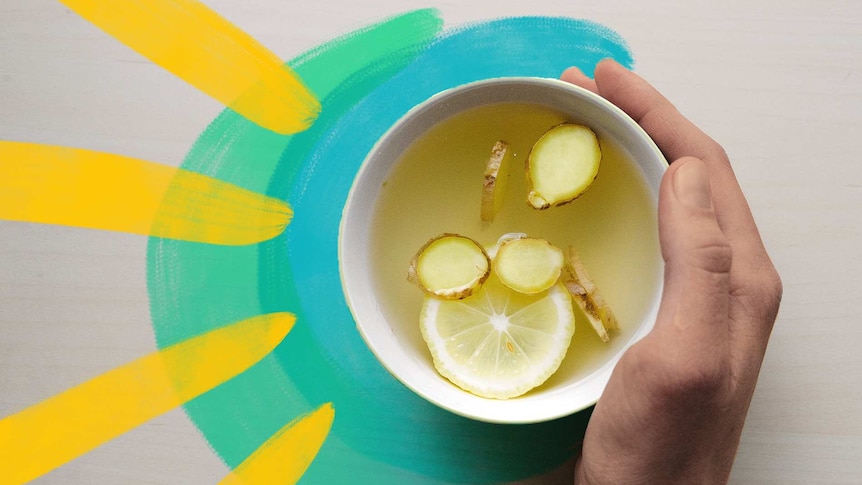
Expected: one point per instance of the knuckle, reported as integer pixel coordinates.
(704, 377)
(712, 254)
(680, 377)
(775, 281)
(771, 287)
(713, 151)
(687, 375)
(704, 380)
(761, 292)
(717, 150)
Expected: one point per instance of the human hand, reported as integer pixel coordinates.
(676, 402)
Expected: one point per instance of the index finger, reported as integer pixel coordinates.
(678, 137)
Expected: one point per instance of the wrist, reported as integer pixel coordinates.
(616, 473)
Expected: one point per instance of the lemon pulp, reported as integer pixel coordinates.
(499, 343)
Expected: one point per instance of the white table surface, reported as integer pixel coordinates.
(778, 83)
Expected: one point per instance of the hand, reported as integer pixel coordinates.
(675, 405)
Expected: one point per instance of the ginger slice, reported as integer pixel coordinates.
(528, 265)
(450, 266)
(492, 250)
(562, 165)
(496, 177)
(587, 296)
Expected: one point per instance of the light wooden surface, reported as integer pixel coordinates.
(778, 83)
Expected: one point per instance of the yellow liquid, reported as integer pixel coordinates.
(436, 187)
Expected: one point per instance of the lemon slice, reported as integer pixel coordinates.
(499, 343)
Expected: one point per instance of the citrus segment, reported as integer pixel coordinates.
(499, 343)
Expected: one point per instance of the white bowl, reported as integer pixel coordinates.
(392, 340)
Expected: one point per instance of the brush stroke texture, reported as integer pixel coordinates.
(208, 52)
(55, 431)
(83, 188)
(190, 282)
(287, 454)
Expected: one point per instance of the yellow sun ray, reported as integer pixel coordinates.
(53, 432)
(205, 50)
(287, 454)
(83, 188)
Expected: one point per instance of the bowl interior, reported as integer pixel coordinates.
(422, 178)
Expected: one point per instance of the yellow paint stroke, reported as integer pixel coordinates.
(53, 432)
(83, 188)
(208, 52)
(287, 454)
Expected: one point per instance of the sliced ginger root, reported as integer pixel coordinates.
(587, 296)
(496, 177)
(450, 266)
(562, 165)
(528, 265)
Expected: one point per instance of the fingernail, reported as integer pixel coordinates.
(691, 184)
(575, 72)
(611, 60)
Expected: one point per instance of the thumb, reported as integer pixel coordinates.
(697, 258)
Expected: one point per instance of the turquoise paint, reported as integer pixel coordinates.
(194, 288)
(382, 432)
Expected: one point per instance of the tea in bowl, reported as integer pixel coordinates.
(487, 274)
